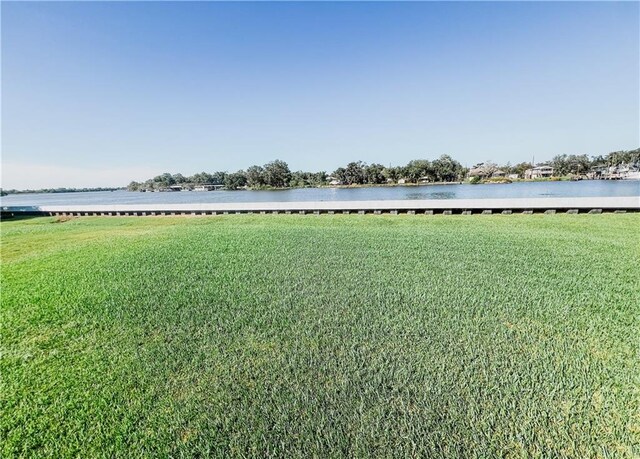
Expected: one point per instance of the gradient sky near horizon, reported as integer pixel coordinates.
(99, 94)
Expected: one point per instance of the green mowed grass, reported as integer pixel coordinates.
(330, 336)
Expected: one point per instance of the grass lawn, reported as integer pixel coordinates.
(330, 336)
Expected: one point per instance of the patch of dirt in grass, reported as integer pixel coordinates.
(62, 219)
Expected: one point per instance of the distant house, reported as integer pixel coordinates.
(597, 172)
(477, 171)
(208, 187)
(499, 173)
(538, 172)
(621, 172)
(628, 172)
(402, 181)
(513, 176)
(482, 170)
(334, 181)
(424, 179)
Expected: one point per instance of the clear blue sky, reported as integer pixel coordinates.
(102, 93)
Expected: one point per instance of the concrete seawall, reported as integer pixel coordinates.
(425, 206)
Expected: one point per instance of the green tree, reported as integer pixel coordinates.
(521, 167)
(235, 180)
(340, 174)
(627, 157)
(446, 169)
(579, 164)
(318, 178)
(560, 165)
(255, 177)
(354, 173)
(277, 174)
(570, 164)
(179, 178)
(418, 168)
(392, 173)
(373, 173)
(201, 178)
(298, 179)
(164, 180)
(218, 178)
(134, 186)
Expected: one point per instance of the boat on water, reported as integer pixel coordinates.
(628, 172)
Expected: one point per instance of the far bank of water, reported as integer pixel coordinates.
(587, 188)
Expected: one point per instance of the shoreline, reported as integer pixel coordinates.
(364, 185)
(390, 185)
(573, 205)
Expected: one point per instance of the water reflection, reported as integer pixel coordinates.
(442, 195)
(514, 190)
(418, 196)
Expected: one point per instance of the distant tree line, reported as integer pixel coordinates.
(443, 169)
(276, 174)
(57, 190)
(578, 164)
(563, 165)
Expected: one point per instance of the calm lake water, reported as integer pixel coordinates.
(513, 190)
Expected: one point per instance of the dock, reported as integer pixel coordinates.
(580, 205)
